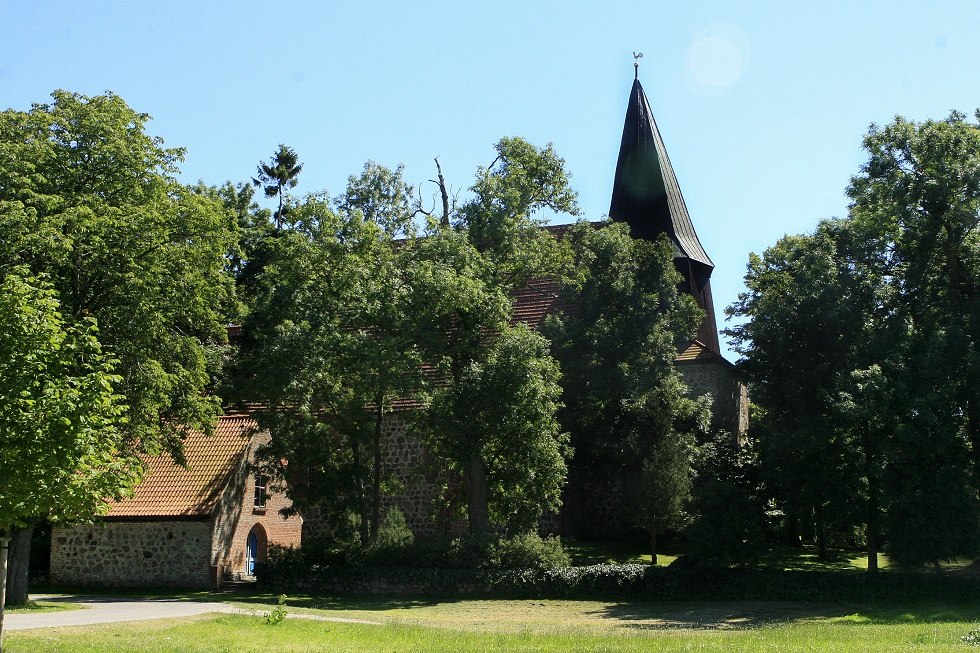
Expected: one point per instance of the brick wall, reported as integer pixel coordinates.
(237, 515)
(132, 554)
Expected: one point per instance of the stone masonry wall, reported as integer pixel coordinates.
(411, 467)
(730, 398)
(411, 471)
(132, 554)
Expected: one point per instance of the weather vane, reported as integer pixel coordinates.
(636, 63)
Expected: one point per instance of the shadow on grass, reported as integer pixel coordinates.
(723, 615)
(97, 595)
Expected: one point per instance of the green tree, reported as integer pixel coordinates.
(88, 199)
(625, 403)
(818, 321)
(507, 400)
(63, 444)
(728, 503)
(277, 176)
(861, 348)
(327, 352)
(461, 279)
(384, 198)
(919, 196)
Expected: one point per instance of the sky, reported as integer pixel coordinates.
(762, 105)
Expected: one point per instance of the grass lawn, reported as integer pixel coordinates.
(588, 552)
(42, 606)
(460, 626)
(801, 558)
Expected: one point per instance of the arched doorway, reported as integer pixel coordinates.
(255, 548)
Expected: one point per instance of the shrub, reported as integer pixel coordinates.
(527, 551)
(278, 613)
(394, 531)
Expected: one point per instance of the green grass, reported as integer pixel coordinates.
(458, 627)
(596, 552)
(42, 606)
(795, 558)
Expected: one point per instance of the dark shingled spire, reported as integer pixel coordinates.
(647, 197)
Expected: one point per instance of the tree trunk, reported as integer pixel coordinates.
(444, 220)
(376, 479)
(653, 544)
(973, 431)
(18, 563)
(872, 535)
(477, 495)
(362, 512)
(3, 580)
(873, 505)
(821, 535)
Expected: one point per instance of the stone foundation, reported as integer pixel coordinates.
(132, 554)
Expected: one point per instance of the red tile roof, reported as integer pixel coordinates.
(170, 490)
(536, 301)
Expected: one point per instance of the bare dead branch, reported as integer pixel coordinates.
(444, 192)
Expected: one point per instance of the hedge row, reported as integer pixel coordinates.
(622, 581)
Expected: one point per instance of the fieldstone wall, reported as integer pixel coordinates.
(417, 478)
(132, 554)
(730, 396)
(414, 471)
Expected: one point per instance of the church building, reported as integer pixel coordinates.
(647, 197)
(213, 518)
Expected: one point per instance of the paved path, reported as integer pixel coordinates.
(103, 610)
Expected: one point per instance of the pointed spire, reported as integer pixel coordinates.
(646, 196)
(645, 191)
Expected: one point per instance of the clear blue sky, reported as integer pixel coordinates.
(762, 105)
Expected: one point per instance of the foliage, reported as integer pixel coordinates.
(523, 551)
(394, 531)
(619, 582)
(497, 390)
(728, 505)
(625, 403)
(507, 402)
(278, 613)
(861, 349)
(919, 195)
(818, 318)
(60, 414)
(88, 198)
(277, 176)
(326, 357)
(384, 198)
(527, 551)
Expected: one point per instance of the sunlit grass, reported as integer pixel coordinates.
(594, 552)
(42, 606)
(245, 634)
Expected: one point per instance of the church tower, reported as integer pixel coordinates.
(646, 196)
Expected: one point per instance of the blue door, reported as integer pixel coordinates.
(251, 550)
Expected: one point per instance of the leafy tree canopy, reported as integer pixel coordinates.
(62, 421)
(89, 199)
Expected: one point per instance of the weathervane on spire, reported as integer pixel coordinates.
(636, 64)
